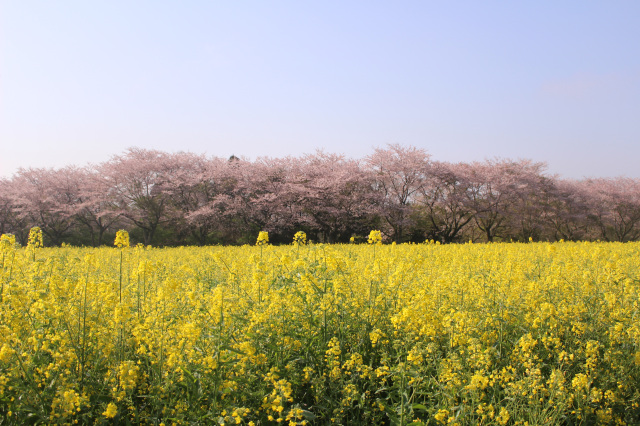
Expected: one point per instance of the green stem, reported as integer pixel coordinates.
(120, 286)
(84, 332)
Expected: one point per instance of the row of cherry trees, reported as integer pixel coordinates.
(184, 198)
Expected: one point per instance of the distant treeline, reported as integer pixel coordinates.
(184, 198)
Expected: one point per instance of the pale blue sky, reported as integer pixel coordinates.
(559, 82)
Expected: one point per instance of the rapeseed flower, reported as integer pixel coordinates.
(300, 238)
(263, 238)
(375, 237)
(122, 239)
(35, 238)
(111, 411)
(502, 331)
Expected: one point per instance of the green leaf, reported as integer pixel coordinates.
(229, 348)
(308, 415)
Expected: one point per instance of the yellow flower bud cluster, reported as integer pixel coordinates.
(375, 237)
(35, 238)
(263, 238)
(122, 239)
(300, 238)
(7, 242)
(484, 333)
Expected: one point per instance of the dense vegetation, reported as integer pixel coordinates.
(185, 199)
(464, 334)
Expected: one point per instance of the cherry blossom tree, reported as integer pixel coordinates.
(135, 181)
(615, 207)
(337, 197)
(531, 193)
(267, 196)
(46, 198)
(498, 190)
(192, 198)
(11, 220)
(567, 210)
(201, 191)
(5, 207)
(96, 209)
(443, 202)
(400, 173)
(486, 196)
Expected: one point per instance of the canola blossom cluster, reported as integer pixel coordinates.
(263, 238)
(490, 334)
(300, 238)
(375, 237)
(122, 239)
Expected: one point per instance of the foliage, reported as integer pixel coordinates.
(495, 334)
(172, 199)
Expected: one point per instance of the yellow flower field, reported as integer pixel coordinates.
(317, 334)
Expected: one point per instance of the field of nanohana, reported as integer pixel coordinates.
(465, 334)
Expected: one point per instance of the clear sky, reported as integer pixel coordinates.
(551, 81)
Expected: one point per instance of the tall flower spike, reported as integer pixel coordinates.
(7, 241)
(300, 238)
(122, 239)
(263, 238)
(375, 237)
(35, 237)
